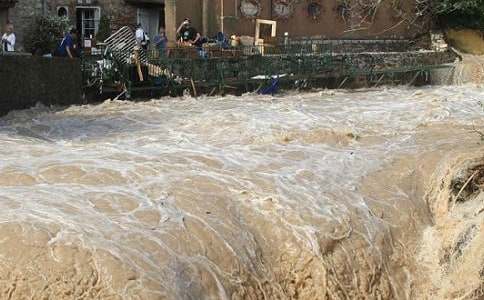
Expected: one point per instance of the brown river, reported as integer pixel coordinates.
(366, 194)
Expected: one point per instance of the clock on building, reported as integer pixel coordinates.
(282, 9)
(250, 8)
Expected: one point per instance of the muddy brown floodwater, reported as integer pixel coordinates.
(369, 194)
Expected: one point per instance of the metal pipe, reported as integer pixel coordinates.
(222, 15)
(205, 17)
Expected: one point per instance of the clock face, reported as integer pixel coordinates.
(282, 10)
(249, 8)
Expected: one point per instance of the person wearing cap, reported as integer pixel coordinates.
(188, 35)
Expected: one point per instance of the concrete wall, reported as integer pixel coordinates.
(26, 80)
(177, 10)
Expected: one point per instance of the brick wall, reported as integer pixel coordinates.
(121, 13)
(22, 16)
(51, 81)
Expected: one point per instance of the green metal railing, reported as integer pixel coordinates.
(176, 69)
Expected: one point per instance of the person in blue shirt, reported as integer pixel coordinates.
(161, 42)
(66, 47)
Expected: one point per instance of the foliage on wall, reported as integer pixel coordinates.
(361, 14)
(104, 28)
(358, 14)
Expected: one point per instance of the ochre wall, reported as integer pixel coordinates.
(387, 23)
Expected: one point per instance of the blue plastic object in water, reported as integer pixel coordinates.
(271, 89)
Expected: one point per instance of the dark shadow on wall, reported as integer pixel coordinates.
(27, 80)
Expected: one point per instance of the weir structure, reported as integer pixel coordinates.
(220, 68)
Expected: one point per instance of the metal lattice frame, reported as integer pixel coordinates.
(121, 45)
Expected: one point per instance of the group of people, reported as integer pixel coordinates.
(67, 47)
(187, 35)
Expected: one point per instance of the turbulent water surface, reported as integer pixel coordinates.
(322, 195)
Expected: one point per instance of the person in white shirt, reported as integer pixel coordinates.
(8, 39)
(142, 38)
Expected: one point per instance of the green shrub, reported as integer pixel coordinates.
(45, 33)
(460, 13)
(104, 29)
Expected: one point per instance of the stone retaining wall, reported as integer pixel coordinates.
(358, 46)
(398, 61)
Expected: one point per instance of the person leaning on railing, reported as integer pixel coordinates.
(187, 35)
(67, 47)
(8, 39)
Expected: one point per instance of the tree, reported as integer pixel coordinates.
(104, 29)
(460, 13)
(44, 33)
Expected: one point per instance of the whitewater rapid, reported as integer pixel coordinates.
(300, 196)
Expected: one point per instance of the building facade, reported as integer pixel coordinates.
(324, 18)
(332, 19)
(5, 7)
(85, 15)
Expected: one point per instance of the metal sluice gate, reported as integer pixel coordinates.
(121, 67)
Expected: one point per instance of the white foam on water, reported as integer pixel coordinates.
(171, 186)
